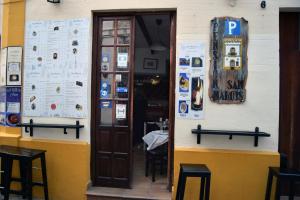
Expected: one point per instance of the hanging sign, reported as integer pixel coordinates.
(229, 66)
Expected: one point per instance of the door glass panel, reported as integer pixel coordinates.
(107, 32)
(122, 83)
(106, 112)
(107, 59)
(122, 58)
(106, 85)
(123, 32)
(121, 117)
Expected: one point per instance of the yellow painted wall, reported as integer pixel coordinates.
(13, 23)
(68, 162)
(236, 175)
(68, 166)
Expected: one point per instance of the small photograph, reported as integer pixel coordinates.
(74, 43)
(197, 62)
(34, 33)
(34, 48)
(56, 28)
(184, 82)
(32, 99)
(184, 62)
(75, 51)
(33, 106)
(232, 57)
(54, 56)
(79, 83)
(232, 63)
(53, 106)
(232, 49)
(183, 107)
(14, 77)
(13, 119)
(78, 107)
(197, 94)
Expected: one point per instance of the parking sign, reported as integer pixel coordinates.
(232, 27)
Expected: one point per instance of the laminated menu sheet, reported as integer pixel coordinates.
(55, 68)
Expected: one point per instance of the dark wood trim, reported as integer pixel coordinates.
(132, 56)
(95, 76)
(94, 95)
(172, 100)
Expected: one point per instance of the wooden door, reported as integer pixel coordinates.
(289, 131)
(112, 101)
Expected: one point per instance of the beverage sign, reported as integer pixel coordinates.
(229, 67)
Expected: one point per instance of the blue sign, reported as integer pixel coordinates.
(105, 104)
(12, 101)
(105, 89)
(232, 27)
(122, 89)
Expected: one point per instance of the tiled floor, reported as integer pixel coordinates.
(142, 187)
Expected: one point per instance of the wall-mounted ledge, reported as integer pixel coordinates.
(256, 134)
(32, 125)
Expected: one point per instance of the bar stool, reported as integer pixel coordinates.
(289, 175)
(194, 170)
(25, 157)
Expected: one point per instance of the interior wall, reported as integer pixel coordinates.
(193, 24)
(142, 53)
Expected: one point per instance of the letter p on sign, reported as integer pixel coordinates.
(232, 27)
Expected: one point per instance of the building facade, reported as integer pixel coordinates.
(239, 169)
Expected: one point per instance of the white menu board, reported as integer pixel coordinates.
(190, 80)
(55, 68)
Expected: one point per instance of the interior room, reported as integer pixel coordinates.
(151, 101)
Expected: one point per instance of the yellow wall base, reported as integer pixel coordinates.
(68, 167)
(236, 175)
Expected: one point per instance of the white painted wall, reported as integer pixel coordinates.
(193, 23)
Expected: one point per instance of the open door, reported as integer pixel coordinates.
(112, 101)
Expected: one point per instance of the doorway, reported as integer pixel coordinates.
(289, 126)
(133, 80)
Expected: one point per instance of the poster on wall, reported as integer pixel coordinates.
(10, 106)
(55, 68)
(14, 61)
(190, 84)
(229, 66)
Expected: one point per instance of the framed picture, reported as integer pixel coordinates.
(150, 63)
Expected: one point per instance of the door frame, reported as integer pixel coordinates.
(95, 15)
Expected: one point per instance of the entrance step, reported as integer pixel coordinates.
(106, 193)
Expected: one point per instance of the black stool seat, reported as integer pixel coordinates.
(194, 170)
(25, 157)
(282, 174)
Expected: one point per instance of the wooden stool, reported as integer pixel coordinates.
(194, 170)
(25, 157)
(289, 175)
